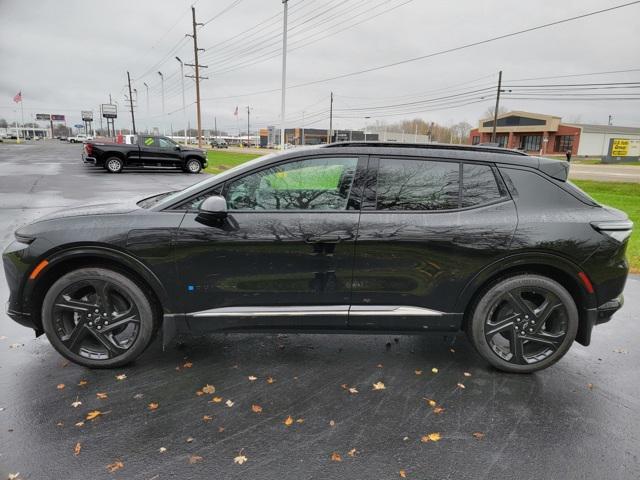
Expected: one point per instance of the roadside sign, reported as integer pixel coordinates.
(87, 115)
(623, 147)
(79, 125)
(109, 110)
(43, 116)
(57, 118)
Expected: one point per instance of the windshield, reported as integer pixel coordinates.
(214, 179)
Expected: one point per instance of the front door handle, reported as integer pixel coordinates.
(324, 239)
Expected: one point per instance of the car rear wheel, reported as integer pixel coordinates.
(113, 165)
(98, 318)
(524, 323)
(193, 165)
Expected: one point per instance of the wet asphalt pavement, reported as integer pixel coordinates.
(579, 419)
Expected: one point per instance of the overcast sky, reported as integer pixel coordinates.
(69, 56)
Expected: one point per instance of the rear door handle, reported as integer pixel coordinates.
(324, 239)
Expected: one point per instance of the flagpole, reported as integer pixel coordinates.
(21, 109)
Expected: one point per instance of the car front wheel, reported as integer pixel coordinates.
(193, 165)
(98, 318)
(524, 323)
(113, 165)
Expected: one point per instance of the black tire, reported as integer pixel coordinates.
(78, 331)
(113, 165)
(192, 165)
(523, 323)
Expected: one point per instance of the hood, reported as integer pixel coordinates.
(191, 149)
(98, 209)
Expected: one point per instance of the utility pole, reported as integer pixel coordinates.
(248, 127)
(284, 72)
(184, 111)
(147, 87)
(302, 127)
(330, 131)
(162, 89)
(197, 76)
(133, 119)
(610, 122)
(495, 113)
(215, 126)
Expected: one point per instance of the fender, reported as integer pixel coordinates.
(518, 260)
(113, 255)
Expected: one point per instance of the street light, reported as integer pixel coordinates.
(365, 128)
(162, 89)
(284, 73)
(184, 113)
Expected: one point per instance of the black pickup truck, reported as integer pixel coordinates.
(144, 150)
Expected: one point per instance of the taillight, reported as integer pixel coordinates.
(620, 230)
(88, 147)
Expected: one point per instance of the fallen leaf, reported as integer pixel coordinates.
(335, 457)
(432, 403)
(240, 459)
(194, 459)
(403, 474)
(590, 386)
(434, 370)
(102, 395)
(332, 423)
(460, 385)
(216, 399)
(438, 410)
(229, 403)
(352, 452)
(478, 435)
(220, 429)
(256, 408)
(76, 449)
(466, 374)
(93, 414)
(252, 378)
(153, 406)
(13, 476)
(207, 418)
(162, 449)
(189, 439)
(76, 403)
(209, 389)
(122, 376)
(138, 396)
(60, 386)
(452, 350)
(288, 421)
(353, 390)
(418, 372)
(379, 386)
(270, 380)
(431, 437)
(82, 383)
(199, 393)
(60, 424)
(300, 420)
(405, 439)
(187, 365)
(115, 466)
(79, 424)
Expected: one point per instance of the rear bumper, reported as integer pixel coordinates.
(88, 160)
(597, 316)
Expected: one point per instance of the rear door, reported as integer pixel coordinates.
(427, 226)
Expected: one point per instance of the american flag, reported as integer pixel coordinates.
(18, 97)
(236, 112)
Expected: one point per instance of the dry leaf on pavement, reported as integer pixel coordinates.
(288, 421)
(352, 452)
(76, 403)
(431, 437)
(102, 395)
(162, 449)
(240, 459)
(194, 459)
(466, 374)
(252, 378)
(438, 410)
(403, 474)
(207, 418)
(209, 389)
(270, 380)
(229, 403)
(93, 414)
(379, 386)
(115, 466)
(418, 372)
(187, 365)
(215, 400)
(76, 449)
(82, 383)
(434, 370)
(256, 408)
(153, 406)
(352, 390)
(336, 457)
(122, 376)
(460, 385)
(60, 386)
(478, 435)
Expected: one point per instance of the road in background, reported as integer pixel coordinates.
(605, 173)
(578, 419)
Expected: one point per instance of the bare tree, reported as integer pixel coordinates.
(490, 112)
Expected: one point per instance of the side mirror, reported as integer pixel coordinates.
(214, 208)
(177, 147)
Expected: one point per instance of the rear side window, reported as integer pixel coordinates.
(417, 185)
(479, 185)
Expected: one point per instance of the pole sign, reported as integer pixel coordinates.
(57, 118)
(43, 116)
(87, 116)
(109, 110)
(79, 125)
(622, 149)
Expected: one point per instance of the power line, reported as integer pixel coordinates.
(224, 10)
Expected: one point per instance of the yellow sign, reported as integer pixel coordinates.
(623, 147)
(148, 141)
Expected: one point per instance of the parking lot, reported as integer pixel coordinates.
(298, 406)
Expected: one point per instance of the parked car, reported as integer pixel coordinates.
(144, 150)
(352, 237)
(80, 138)
(219, 144)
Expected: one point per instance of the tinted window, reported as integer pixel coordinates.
(313, 184)
(166, 143)
(478, 185)
(417, 185)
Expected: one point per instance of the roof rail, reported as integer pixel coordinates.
(434, 146)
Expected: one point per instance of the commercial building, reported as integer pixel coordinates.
(546, 134)
(270, 136)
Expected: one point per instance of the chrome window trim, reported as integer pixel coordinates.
(359, 310)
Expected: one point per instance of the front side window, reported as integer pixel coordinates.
(311, 184)
(417, 185)
(166, 143)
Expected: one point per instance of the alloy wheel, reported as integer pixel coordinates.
(526, 325)
(96, 319)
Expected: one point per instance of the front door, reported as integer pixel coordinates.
(158, 151)
(284, 254)
(427, 227)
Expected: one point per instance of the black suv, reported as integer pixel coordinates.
(352, 237)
